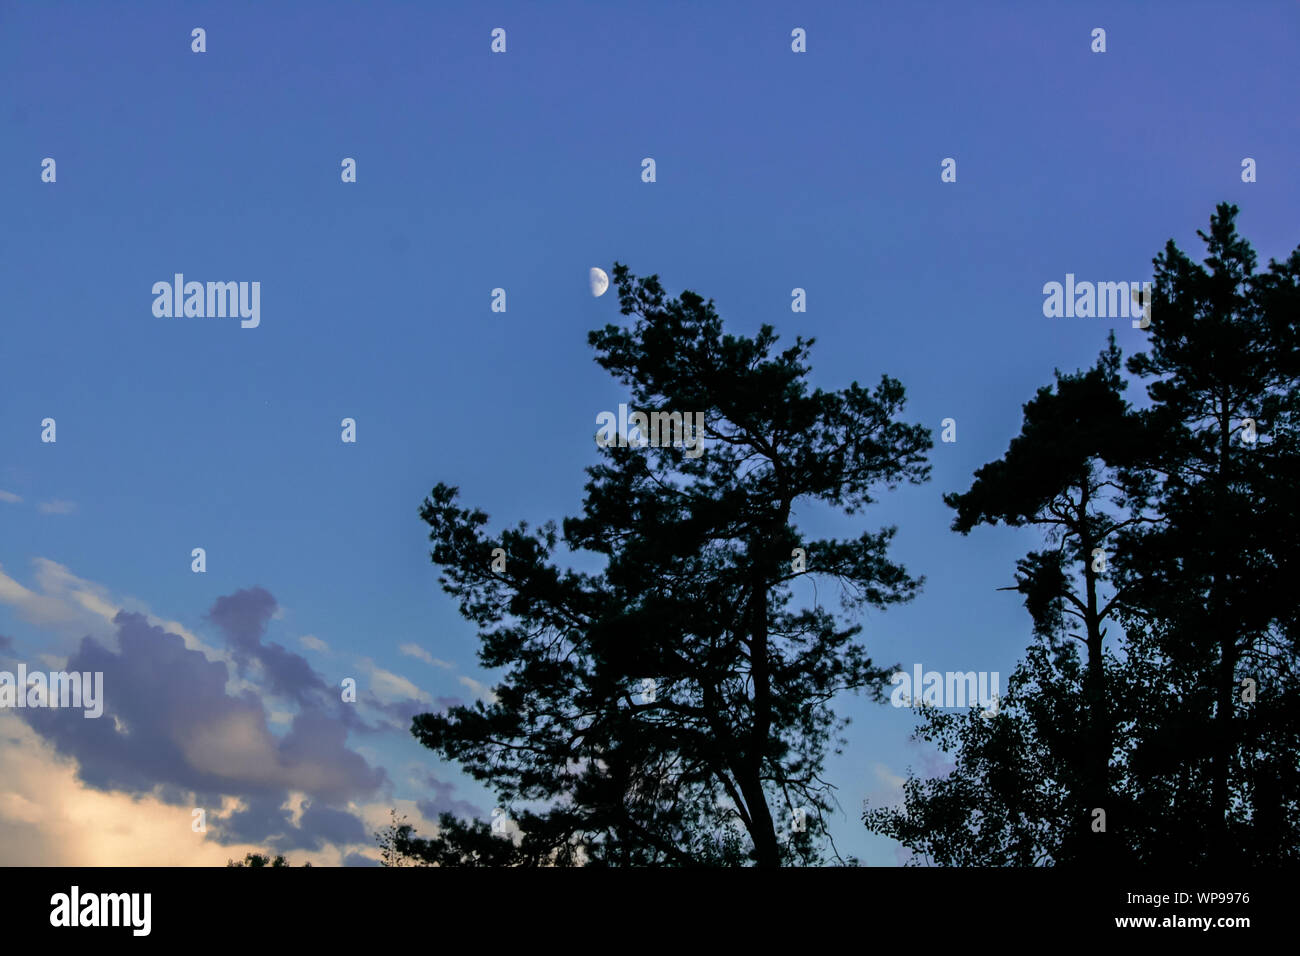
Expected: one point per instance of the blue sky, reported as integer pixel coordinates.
(522, 170)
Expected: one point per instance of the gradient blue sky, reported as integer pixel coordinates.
(775, 170)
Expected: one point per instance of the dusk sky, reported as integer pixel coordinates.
(521, 170)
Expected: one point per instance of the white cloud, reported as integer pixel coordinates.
(10, 497)
(390, 687)
(56, 506)
(313, 643)
(419, 653)
(48, 611)
(479, 688)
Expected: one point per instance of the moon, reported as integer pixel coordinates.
(599, 282)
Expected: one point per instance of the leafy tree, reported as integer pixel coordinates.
(261, 859)
(393, 840)
(1203, 576)
(1214, 580)
(1011, 798)
(697, 557)
(1028, 780)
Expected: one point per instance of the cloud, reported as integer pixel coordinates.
(73, 607)
(56, 507)
(242, 618)
(10, 497)
(442, 801)
(48, 817)
(480, 689)
(390, 687)
(890, 791)
(171, 729)
(397, 698)
(401, 712)
(888, 777)
(419, 653)
(327, 825)
(266, 754)
(271, 824)
(51, 611)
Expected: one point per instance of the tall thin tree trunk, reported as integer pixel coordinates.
(761, 830)
(1099, 733)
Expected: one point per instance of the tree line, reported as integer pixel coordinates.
(675, 707)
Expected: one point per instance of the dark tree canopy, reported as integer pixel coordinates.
(262, 859)
(724, 760)
(1213, 580)
(1184, 729)
(1029, 777)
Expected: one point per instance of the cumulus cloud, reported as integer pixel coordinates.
(49, 817)
(171, 728)
(182, 727)
(245, 729)
(242, 618)
(271, 824)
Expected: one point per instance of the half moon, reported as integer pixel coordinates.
(599, 282)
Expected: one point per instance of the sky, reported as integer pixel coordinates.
(520, 170)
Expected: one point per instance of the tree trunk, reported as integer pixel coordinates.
(1097, 758)
(761, 830)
